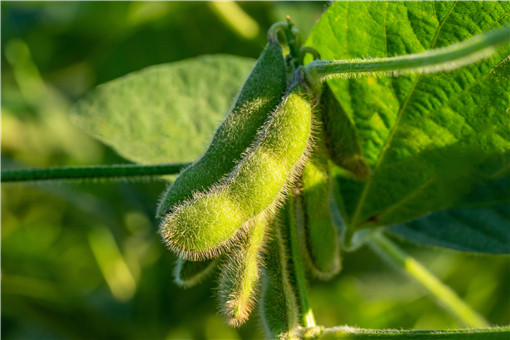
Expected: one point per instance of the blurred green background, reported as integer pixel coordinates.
(84, 261)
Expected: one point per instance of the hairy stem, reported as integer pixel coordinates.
(92, 172)
(443, 294)
(441, 59)
(346, 332)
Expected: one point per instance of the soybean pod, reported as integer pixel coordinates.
(240, 276)
(205, 226)
(291, 232)
(340, 136)
(318, 234)
(279, 302)
(259, 96)
(188, 274)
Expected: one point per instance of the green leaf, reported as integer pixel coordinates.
(491, 193)
(430, 138)
(164, 113)
(483, 230)
(479, 224)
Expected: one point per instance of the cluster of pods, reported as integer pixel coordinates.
(256, 203)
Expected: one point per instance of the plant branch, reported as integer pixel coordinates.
(92, 172)
(443, 294)
(441, 59)
(346, 332)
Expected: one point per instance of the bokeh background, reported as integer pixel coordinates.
(82, 260)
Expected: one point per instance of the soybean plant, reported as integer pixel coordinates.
(256, 203)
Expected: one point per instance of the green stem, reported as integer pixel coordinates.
(308, 319)
(293, 43)
(303, 51)
(272, 33)
(441, 59)
(92, 172)
(236, 18)
(346, 332)
(443, 294)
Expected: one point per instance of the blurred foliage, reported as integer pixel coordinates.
(83, 260)
(111, 112)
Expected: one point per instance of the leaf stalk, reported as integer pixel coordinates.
(346, 332)
(441, 59)
(443, 294)
(92, 172)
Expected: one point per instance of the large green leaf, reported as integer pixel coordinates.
(429, 139)
(480, 224)
(165, 113)
(483, 230)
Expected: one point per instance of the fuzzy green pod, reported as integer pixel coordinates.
(260, 95)
(319, 235)
(206, 225)
(188, 274)
(279, 300)
(239, 279)
(340, 136)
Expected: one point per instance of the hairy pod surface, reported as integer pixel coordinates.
(188, 274)
(340, 136)
(240, 276)
(260, 95)
(206, 225)
(319, 236)
(279, 301)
